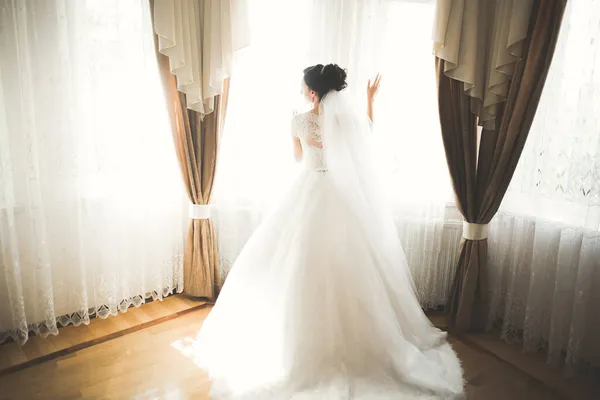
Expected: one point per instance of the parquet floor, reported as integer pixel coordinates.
(152, 363)
(71, 338)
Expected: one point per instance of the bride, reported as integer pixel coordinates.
(320, 304)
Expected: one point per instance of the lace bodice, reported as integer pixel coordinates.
(306, 127)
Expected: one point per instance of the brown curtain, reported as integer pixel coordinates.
(196, 143)
(480, 182)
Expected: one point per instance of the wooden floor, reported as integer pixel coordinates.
(153, 362)
(72, 338)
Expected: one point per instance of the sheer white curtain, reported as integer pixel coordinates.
(91, 208)
(256, 163)
(545, 242)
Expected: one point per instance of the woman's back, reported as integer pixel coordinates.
(306, 127)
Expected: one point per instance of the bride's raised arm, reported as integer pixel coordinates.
(372, 89)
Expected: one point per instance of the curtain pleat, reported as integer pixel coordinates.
(480, 186)
(199, 38)
(196, 138)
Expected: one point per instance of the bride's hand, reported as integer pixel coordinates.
(373, 87)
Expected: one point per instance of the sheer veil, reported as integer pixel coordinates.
(354, 171)
(349, 151)
(348, 146)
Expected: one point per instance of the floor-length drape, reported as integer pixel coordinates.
(459, 134)
(197, 146)
(480, 183)
(196, 142)
(91, 207)
(195, 43)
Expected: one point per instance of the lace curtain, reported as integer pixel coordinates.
(545, 243)
(256, 162)
(92, 212)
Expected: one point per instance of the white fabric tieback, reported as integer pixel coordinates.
(200, 211)
(475, 231)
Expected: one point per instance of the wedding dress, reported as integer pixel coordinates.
(320, 303)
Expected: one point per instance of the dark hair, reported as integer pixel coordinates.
(325, 78)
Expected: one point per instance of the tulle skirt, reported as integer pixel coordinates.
(312, 309)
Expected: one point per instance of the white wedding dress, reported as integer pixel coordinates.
(320, 303)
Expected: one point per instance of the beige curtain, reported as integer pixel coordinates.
(481, 173)
(481, 42)
(196, 142)
(200, 37)
(196, 137)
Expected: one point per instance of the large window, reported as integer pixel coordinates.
(92, 208)
(256, 163)
(545, 242)
(256, 159)
(558, 177)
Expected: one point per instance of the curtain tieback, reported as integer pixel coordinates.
(200, 211)
(475, 231)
